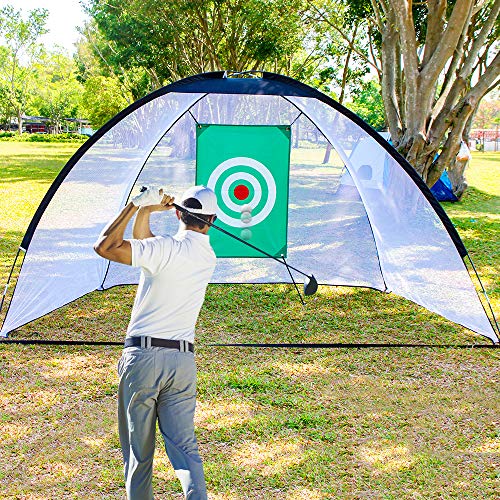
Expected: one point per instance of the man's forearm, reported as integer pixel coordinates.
(141, 228)
(112, 235)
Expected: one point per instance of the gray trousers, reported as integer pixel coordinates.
(158, 384)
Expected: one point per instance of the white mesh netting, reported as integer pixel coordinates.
(356, 220)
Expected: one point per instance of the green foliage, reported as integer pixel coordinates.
(58, 91)
(16, 58)
(342, 53)
(19, 33)
(6, 109)
(170, 40)
(102, 99)
(363, 10)
(368, 104)
(93, 53)
(66, 137)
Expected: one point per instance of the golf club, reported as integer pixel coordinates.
(310, 283)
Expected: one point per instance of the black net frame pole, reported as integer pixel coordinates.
(19, 250)
(495, 322)
(293, 279)
(259, 345)
(360, 346)
(60, 342)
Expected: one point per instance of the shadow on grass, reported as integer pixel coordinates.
(473, 205)
(249, 313)
(9, 243)
(476, 220)
(22, 168)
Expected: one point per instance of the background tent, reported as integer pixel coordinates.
(442, 189)
(365, 219)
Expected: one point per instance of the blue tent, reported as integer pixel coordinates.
(442, 190)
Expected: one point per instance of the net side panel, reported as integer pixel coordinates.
(60, 264)
(419, 260)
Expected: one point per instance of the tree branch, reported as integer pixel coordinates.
(389, 64)
(406, 28)
(480, 40)
(342, 34)
(374, 57)
(447, 42)
(449, 113)
(346, 67)
(435, 25)
(450, 72)
(489, 79)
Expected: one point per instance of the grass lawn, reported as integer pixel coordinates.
(271, 424)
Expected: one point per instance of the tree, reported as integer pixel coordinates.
(20, 39)
(368, 104)
(93, 58)
(6, 110)
(58, 91)
(344, 53)
(102, 99)
(171, 40)
(436, 60)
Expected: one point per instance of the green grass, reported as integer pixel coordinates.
(272, 424)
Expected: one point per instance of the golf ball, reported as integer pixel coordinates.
(246, 234)
(246, 217)
(246, 208)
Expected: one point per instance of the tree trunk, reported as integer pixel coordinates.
(456, 173)
(19, 122)
(297, 135)
(326, 158)
(434, 115)
(183, 141)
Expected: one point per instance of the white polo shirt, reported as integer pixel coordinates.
(175, 274)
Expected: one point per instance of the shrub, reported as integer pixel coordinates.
(69, 137)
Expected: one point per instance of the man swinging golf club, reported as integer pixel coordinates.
(157, 368)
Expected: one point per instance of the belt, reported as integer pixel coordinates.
(145, 342)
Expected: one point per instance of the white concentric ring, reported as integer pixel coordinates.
(259, 167)
(237, 177)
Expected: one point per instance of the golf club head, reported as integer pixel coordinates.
(310, 285)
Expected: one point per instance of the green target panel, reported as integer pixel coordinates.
(248, 168)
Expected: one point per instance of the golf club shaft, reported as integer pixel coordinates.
(186, 211)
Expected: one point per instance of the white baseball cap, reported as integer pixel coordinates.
(205, 196)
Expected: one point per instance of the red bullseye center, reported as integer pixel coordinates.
(241, 192)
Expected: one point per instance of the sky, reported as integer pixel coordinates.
(64, 17)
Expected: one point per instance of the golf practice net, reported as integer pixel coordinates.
(363, 218)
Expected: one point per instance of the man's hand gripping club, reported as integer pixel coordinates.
(149, 200)
(111, 244)
(153, 196)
